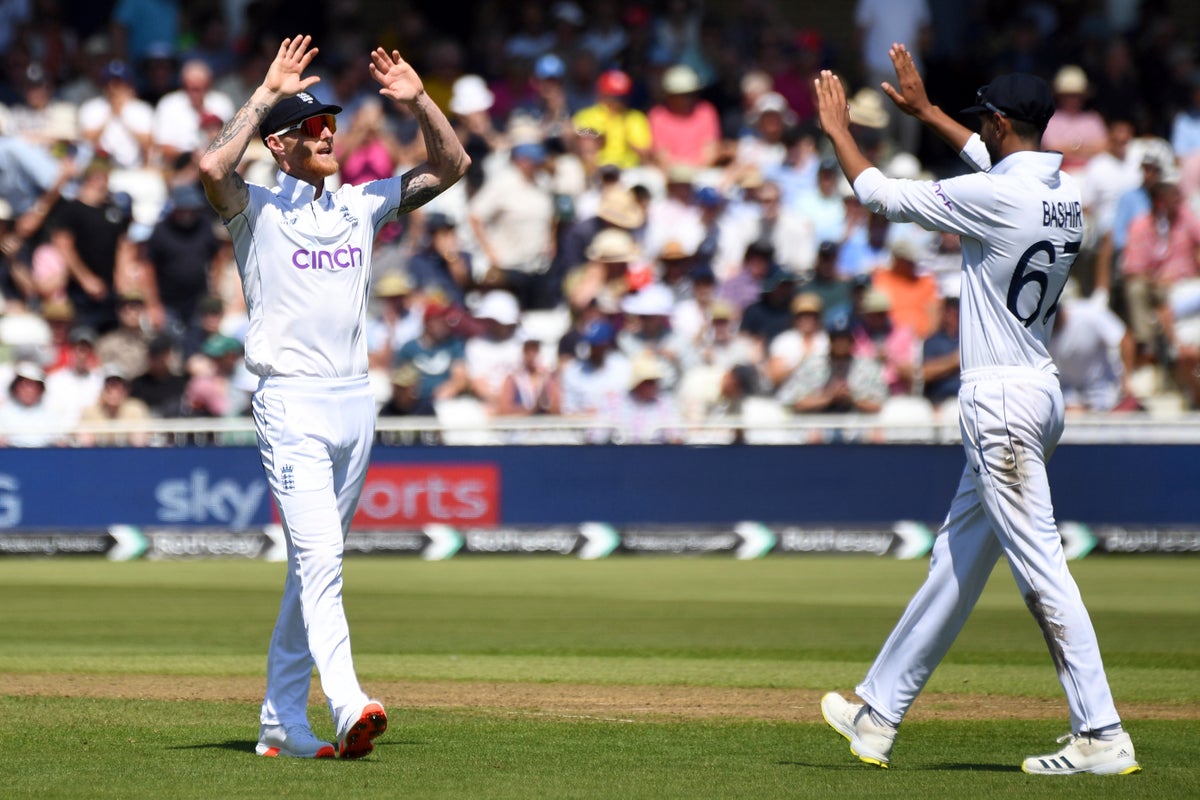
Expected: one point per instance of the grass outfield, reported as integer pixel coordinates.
(551, 677)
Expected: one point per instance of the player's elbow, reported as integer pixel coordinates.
(460, 167)
(213, 170)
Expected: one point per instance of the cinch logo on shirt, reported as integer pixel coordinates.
(341, 258)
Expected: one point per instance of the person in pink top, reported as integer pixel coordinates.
(1160, 252)
(1075, 130)
(369, 151)
(684, 128)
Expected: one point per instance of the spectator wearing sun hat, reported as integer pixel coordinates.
(606, 271)
(615, 207)
(397, 319)
(877, 337)
(804, 340)
(1075, 130)
(685, 128)
(624, 132)
(647, 411)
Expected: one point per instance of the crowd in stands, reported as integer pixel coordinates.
(652, 233)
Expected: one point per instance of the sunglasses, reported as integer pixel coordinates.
(313, 126)
(979, 100)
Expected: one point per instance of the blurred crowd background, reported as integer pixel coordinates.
(652, 234)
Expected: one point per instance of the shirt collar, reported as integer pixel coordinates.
(295, 190)
(1046, 162)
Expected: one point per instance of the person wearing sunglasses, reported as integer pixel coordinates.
(1020, 221)
(304, 255)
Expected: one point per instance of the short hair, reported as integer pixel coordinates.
(1027, 130)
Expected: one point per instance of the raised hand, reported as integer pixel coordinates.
(832, 109)
(399, 80)
(285, 76)
(910, 97)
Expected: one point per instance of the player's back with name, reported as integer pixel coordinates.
(1062, 215)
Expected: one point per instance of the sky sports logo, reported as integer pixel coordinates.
(342, 258)
(405, 496)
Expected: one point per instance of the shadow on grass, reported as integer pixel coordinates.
(238, 745)
(968, 768)
(243, 746)
(919, 768)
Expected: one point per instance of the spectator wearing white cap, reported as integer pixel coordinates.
(647, 330)
(470, 105)
(762, 145)
(496, 352)
(26, 420)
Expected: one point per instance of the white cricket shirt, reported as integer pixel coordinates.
(1021, 225)
(305, 268)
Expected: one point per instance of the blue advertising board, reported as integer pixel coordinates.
(88, 489)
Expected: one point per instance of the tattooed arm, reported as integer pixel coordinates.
(218, 167)
(446, 160)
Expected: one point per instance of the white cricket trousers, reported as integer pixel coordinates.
(314, 437)
(1011, 421)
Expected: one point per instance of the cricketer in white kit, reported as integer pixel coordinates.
(1020, 221)
(304, 256)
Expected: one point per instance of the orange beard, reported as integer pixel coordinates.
(319, 164)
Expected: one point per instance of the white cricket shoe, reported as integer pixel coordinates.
(356, 740)
(1084, 753)
(295, 740)
(872, 743)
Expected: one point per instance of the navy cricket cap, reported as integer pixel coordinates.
(291, 110)
(1018, 95)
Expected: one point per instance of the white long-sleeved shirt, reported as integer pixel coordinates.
(305, 268)
(1021, 224)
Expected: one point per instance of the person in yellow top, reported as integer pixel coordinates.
(623, 133)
